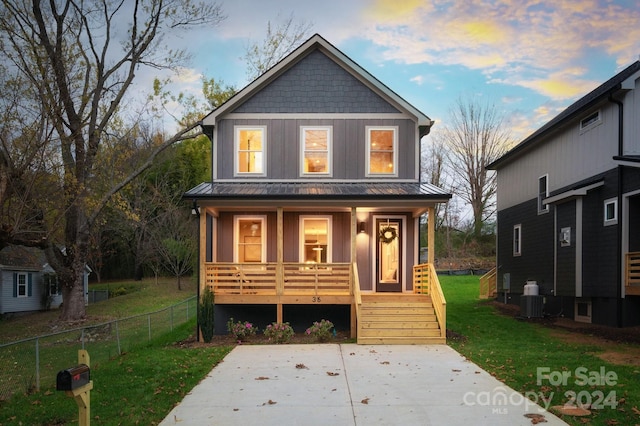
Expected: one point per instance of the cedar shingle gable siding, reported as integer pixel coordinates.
(316, 84)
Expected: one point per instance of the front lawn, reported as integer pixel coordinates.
(537, 361)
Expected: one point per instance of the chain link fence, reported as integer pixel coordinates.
(29, 364)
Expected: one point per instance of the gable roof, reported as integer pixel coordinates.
(622, 81)
(316, 42)
(22, 258)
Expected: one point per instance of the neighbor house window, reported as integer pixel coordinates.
(517, 240)
(543, 192)
(315, 239)
(21, 285)
(590, 121)
(316, 150)
(51, 282)
(250, 239)
(382, 150)
(611, 211)
(250, 150)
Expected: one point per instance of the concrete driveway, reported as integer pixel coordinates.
(349, 384)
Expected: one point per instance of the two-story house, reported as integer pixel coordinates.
(313, 211)
(569, 208)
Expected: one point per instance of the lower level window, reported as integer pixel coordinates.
(250, 239)
(315, 239)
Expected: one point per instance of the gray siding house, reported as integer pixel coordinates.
(569, 208)
(315, 201)
(27, 281)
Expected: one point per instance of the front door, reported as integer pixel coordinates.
(389, 255)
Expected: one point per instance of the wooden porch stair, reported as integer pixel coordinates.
(403, 319)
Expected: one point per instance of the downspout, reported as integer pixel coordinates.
(620, 218)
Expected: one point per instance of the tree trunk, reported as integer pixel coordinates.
(73, 308)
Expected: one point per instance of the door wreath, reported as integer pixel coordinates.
(387, 234)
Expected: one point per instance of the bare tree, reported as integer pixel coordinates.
(277, 43)
(475, 135)
(80, 58)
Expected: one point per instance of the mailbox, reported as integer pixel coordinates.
(73, 378)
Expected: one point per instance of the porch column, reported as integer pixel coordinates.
(431, 235)
(202, 250)
(279, 266)
(354, 235)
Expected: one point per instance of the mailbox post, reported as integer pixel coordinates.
(76, 382)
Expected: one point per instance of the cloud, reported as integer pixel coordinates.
(533, 44)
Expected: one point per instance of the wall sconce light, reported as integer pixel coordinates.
(361, 228)
(195, 209)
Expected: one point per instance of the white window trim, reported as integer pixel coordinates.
(583, 318)
(395, 150)
(329, 130)
(26, 284)
(236, 236)
(236, 150)
(542, 207)
(591, 125)
(614, 220)
(517, 250)
(301, 250)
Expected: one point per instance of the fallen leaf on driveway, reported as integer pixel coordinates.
(365, 401)
(331, 373)
(300, 366)
(261, 378)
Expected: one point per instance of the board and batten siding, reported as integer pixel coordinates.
(348, 152)
(632, 121)
(567, 156)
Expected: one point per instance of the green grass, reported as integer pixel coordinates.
(512, 351)
(142, 297)
(139, 387)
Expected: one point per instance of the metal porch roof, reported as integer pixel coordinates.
(326, 191)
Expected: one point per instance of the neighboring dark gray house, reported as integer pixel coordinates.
(569, 208)
(315, 202)
(27, 281)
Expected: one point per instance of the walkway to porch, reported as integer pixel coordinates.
(383, 318)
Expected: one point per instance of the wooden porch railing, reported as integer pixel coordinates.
(489, 284)
(278, 280)
(425, 281)
(632, 274)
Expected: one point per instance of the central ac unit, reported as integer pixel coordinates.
(531, 306)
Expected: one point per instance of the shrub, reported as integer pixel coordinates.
(321, 331)
(279, 332)
(120, 291)
(241, 330)
(205, 315)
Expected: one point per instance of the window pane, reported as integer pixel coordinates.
(316, 240)
(381, 140)
(315, 162)
(315, 139)
(251, 140)
(381, 162)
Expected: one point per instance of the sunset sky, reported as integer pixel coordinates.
(531, 58)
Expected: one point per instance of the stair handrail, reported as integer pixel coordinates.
(488, 283)
(357, 296)
(438, 300)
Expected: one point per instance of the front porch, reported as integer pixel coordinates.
(383, 318)
(632, 274)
